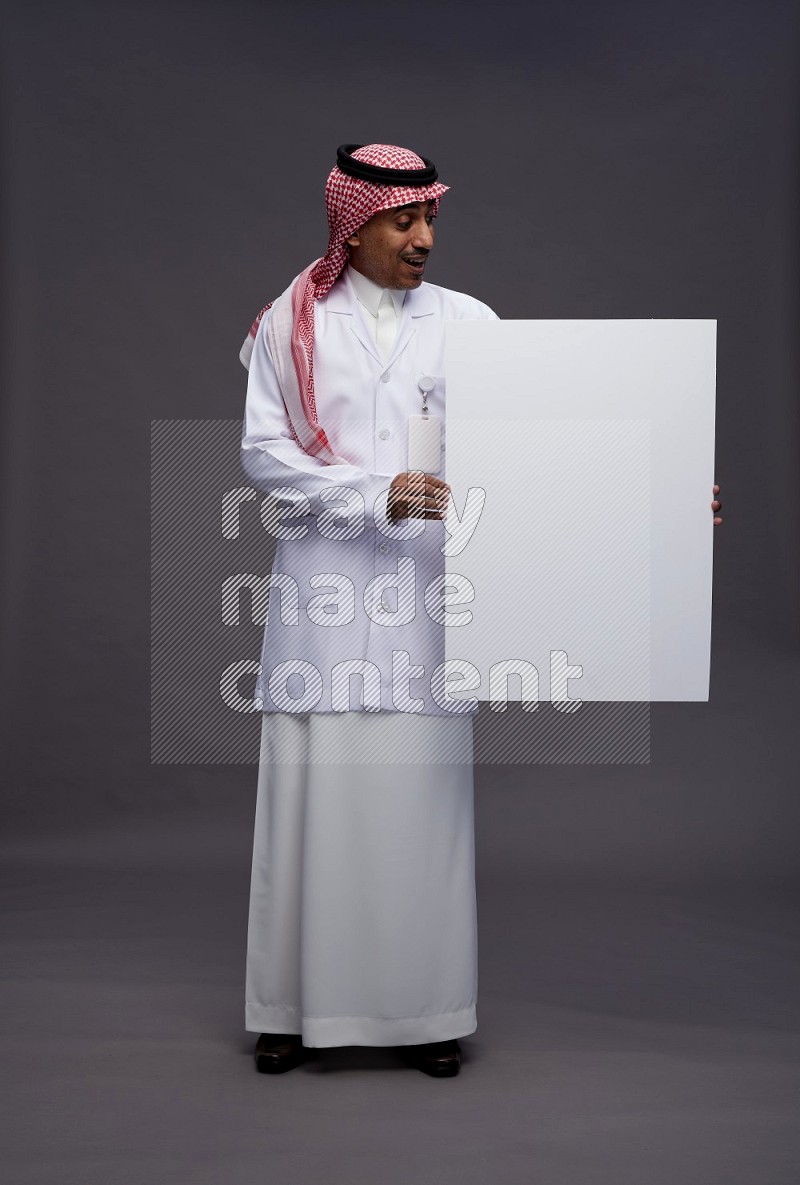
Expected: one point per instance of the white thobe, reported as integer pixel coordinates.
(362, 925)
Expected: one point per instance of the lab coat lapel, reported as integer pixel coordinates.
(360, 328)
(417, 304)
(343, 301)
(405, 331)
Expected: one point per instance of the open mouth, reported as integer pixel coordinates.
(416, 263)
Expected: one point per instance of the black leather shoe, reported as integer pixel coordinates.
(278, 1052)
(440, 1059)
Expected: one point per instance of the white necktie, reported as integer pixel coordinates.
(387, 326)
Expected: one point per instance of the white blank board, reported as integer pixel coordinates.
(593, 442)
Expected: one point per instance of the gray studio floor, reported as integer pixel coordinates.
(635, 1028)
(649, 1037)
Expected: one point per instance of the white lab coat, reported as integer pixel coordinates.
(363, 403)
(362, 924)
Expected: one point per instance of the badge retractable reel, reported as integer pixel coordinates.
(425, 433)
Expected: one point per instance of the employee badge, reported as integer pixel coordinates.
(425, 434)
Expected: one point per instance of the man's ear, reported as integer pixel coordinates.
(354, 240)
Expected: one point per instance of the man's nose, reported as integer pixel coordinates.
(424, 236)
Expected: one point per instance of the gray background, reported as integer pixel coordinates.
(163, 169)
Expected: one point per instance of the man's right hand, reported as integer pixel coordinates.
(417, 495)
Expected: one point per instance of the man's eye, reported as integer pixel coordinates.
(404, 226)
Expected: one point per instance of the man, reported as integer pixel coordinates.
(362, 926)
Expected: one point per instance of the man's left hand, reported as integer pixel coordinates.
(715, 506)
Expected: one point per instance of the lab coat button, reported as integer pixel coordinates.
(385, 377)
(384, 547)
(384, 434)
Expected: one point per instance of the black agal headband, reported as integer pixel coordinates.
(379, 175)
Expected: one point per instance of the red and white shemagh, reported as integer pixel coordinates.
(350, 202)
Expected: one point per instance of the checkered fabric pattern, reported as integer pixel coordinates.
(350, 202)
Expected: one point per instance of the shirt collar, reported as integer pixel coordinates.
(369, 293)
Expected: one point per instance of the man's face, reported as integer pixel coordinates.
(393, 246)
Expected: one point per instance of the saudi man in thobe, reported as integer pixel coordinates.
(362, 923)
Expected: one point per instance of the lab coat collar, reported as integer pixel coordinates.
(342, 299)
